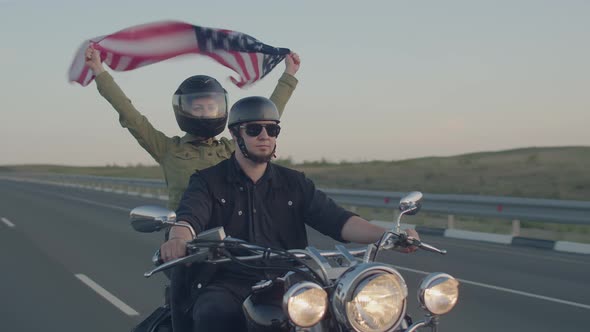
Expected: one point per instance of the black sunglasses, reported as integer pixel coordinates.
(254, 129)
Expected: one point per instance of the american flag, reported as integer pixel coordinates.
(146, 44)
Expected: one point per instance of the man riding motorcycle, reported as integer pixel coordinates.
(256, 201)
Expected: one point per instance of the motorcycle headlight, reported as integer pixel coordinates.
(438, 293)
(372, 298)
(305, 303)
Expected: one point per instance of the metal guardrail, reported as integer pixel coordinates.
(542, 210)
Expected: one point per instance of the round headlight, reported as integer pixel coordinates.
(377, 303)
(370, 297)
(438, 293)
(305, 303)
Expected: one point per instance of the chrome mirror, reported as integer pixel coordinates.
(409, 204)
(151, 218)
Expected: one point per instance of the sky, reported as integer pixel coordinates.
(385, 80)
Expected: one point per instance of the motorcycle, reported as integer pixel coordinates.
(338, 290)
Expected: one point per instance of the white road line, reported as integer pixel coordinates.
(7, 222)
(507, 290)
(108, 296)
(110, 206)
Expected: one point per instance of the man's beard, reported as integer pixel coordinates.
(261, 159)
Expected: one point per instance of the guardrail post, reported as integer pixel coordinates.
(515, 227)
(451, 222)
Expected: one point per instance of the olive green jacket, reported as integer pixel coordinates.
(179, 157)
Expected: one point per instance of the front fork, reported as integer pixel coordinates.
(429, 321)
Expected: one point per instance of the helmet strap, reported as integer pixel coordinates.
(242, 146)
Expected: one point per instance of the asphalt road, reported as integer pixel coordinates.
(71, 262)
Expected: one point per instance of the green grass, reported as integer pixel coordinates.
(148, 172)
(558, 173)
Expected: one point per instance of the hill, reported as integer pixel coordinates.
(555, 172)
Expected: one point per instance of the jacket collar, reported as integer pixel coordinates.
(235, 174)
(193, 139)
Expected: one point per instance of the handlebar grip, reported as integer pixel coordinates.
(157, 258)
(406, 241)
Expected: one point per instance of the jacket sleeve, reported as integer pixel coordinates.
(283, 91)
(152, 140)
(322, 213)
(196, 205)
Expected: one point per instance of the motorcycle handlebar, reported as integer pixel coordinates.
(201, 256)
(196, 255)
(194, 258)
(403, 240)
(422, 245)
(430, 248)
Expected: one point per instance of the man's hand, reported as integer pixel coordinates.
(413, 234)
(292, 63)
(93, 60)
(173, 249)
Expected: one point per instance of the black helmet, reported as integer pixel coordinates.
(200, 106)
(253, 109)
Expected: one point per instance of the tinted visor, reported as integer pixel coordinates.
(203, 105)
